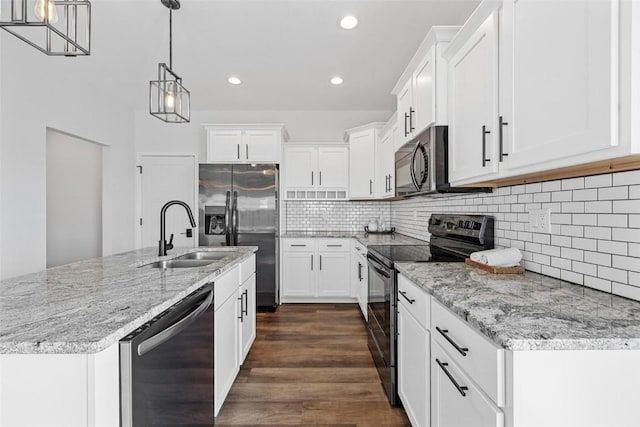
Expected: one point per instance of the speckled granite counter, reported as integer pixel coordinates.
(366, 239)
(530, 311)
(86, 306)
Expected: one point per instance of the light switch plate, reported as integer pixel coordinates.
(540, 220)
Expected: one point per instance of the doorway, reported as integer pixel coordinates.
(74, 199)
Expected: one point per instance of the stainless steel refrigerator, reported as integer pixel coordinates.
(238, 206)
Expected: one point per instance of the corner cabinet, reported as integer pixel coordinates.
(421, 92)
(245, 143)
(316, 172)
(362, 160)
(315, 270)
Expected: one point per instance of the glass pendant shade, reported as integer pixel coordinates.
(54, 27)
(168, 99)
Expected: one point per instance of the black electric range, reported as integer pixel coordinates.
(453, 238)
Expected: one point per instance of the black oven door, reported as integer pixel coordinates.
(381, 308)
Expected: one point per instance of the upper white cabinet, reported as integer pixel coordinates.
(385, 160)
(421, 91)
(559, 81)
(541, 87)
(245, 143)
(316, 172)
(362, 160)
(473, 99)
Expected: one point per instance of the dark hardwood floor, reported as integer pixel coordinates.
(310, 365)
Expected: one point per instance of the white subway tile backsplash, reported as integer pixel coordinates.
(303, 215)
(626, 291)
(593, 220)
(626, 178)
(597, 181)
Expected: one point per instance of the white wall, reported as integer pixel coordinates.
(152, 135)
(73, 95)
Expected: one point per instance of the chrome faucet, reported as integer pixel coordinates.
(163, 246)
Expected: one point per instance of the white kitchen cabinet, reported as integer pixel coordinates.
(245, 143)
(247, 297)
(360, 276)
(559, 82)
(385, 160)
(413, 352)
(316, 172)
(473, 98)
(362, 160)
(455, 399)
(421, 91)
(315, 270)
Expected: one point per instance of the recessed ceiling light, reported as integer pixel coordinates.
(234, 80)
(349, 22)
(336, 81)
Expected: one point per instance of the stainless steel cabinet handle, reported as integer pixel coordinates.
(484, 145)
(404, 295)
(173, 330)
(320, 262)
(334, 246)
(227, 219)
(411, 112)
(406, 117)
(241, 317)
(311, 177)
(246, 302)
(298, 246)
(444, 332)
(247, 152)
(370, 186)
(311, 262)
(359, 271)
(460, 388)
(500, 138)
(320, 179)
(238, 151)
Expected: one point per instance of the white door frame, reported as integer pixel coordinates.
(138, 191)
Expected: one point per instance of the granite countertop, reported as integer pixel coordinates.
(86, 306)
(366, 239)
(530, 311)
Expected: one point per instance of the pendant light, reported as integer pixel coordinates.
(54, 27)
(168, 99)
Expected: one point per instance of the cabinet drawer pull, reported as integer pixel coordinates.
(462, 350)
(298, 246)
(500, 138)
(460, 388)
(404, 295)
(334, 246)
(485, 132)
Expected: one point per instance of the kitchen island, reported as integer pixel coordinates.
(59, 331)
(518, 350)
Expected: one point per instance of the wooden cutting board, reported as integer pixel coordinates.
(518, 269)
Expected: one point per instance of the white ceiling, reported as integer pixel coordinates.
(285, 51)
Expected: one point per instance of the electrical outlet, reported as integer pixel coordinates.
(540, 220)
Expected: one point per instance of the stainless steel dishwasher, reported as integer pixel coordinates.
(166, 366)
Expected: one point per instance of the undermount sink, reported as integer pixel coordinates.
(204, 255)
(180, 263)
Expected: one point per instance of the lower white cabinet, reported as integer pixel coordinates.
(247, 316)
(315, 270)
(455, 399)
(360, 276)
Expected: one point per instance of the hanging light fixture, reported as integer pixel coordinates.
(168, 99)
(55, 27)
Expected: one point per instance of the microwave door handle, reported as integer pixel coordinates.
(412, 167)
(227, 219)
(235, 218)
(173, 330)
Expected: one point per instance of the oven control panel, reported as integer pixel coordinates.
(475, 227)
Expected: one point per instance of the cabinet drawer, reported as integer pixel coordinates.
(225, 285)
(333, 245)
(247, 268)
(449, 407)
(415, 300)
(298, 245)
(481, 359)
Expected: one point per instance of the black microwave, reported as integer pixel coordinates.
(422, 165)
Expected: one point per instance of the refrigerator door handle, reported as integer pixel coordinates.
(235, 218)
(227, 220)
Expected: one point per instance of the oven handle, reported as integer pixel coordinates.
(375, 264)
(173, 330)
